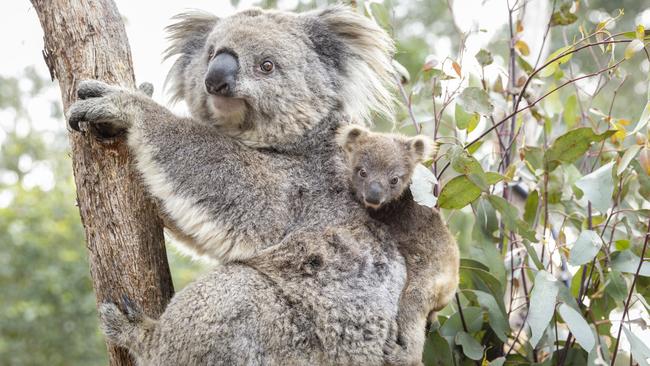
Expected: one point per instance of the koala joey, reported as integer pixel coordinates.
(379, 168)
(254, 174)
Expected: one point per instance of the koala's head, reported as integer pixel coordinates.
(268, 76)
(380, 165)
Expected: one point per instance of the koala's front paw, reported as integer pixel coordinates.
(101, 107)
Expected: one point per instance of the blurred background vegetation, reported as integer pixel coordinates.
(47, 307)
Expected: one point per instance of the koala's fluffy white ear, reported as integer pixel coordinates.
(422, 148)
(187, 36)
(348, 135)
(368, 74)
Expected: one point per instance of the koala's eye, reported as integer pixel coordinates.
(267, 66)
(210, 53)
(394, 180)
(363, 173)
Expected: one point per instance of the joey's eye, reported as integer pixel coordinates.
(363, 173)
(267, 66)
(394, 181)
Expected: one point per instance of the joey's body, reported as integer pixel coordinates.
(432, 263)
(379, 169)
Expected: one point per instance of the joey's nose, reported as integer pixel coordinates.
(222, 74)
(373, 194)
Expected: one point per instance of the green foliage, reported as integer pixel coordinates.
(47, 307)
(553, 181)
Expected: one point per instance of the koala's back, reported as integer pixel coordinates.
(315, 298)
(232, 316)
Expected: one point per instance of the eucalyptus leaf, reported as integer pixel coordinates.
(598, 187)
(643, 120)
(585, 248)
(572, 145)
(530, 208)
(640, 350)
(484, 57)
(633, 47)
(471, 347)
(473, 319)
(463, 162)
(437, 351)
(422, 184)
(554, 66)
(542, 305)
(616, 286)
(497, 317)
(458, 193)
(570, 113)
(578, 326)
(464, 119)
(474, 99)
(510, 217)
(627, 158)
(628, 262)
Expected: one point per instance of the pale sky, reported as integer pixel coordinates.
(22, 35)
(21, 32)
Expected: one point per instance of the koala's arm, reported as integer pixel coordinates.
(225, 196)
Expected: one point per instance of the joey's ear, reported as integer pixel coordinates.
(347, 136)
(187, 37)
(422, 148)
(361, 52)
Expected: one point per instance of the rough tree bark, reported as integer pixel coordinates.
(86, 39)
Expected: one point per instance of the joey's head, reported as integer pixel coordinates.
(380, 165)
(267, 76)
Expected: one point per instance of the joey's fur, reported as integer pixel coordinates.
(381, 166)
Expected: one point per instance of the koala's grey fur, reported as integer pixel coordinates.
(431, 253)
(255, 179)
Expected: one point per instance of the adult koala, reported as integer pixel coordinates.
(255, 174)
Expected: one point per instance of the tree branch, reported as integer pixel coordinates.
(126, 249)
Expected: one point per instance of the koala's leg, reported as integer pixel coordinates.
(230, 199)
(131, 329)
(446, 283)
(406, 350)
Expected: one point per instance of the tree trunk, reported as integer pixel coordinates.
(87, 40)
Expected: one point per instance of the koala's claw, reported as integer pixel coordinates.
(132, 310)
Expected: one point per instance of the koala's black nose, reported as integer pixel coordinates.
(222, 74)
(373, 194)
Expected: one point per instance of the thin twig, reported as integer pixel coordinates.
(629, 295)
(407, 103)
